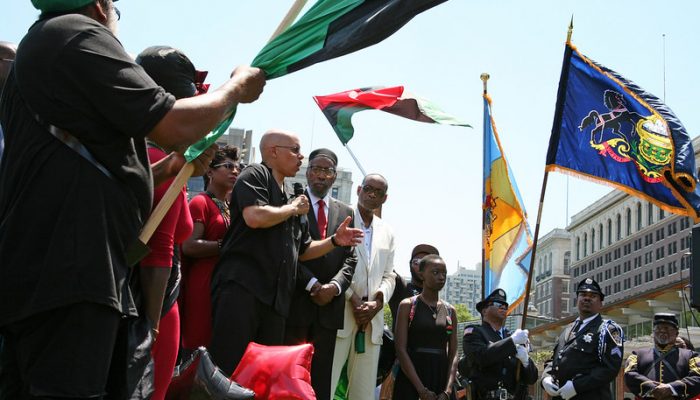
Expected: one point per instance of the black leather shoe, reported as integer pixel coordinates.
(215, 384)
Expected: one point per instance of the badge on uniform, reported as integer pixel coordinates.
(588, 337)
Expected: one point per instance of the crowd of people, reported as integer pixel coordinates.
(92, 139)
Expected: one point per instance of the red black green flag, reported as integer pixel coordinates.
(340, 107)
(334, 28)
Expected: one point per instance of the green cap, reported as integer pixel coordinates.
(52, 6)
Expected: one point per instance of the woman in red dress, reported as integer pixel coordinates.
(211, 218)
(159, 270)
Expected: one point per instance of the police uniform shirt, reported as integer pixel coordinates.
(582, 358)
(492, 359)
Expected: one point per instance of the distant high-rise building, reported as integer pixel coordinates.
(238, 137)
(629, 245)
(464, 287)
(550, 286)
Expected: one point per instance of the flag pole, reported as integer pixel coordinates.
(139, 249)
(288, 19)
(541, 203)
(357, 162)
(484, 78)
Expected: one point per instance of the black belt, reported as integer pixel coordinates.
(429, 350)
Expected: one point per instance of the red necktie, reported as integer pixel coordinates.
(321, 219)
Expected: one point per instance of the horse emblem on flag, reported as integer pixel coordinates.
(627, 136)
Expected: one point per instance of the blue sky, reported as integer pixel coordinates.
(434, 172)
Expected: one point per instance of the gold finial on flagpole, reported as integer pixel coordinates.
(485, 77)
(571, 30)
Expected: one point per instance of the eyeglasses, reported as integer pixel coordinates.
(294, 149)
(663, 328)
(369, 190)
(119, 14)
(228, 165)
(327, 172)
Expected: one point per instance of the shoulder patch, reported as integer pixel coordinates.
(615, 332)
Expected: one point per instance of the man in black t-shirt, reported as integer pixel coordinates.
(76, 187)
(253, 281)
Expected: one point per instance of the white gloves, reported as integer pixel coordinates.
(521, 354)
(520, 336)
(549, 386)
(567, 391)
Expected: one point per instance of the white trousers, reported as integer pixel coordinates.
(362, 368)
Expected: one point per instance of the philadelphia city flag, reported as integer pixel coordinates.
(507, 242)
(340, 107)
(610, 130)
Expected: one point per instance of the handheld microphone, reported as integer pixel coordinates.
(298, 191)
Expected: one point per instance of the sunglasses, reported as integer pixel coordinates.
(294, 149)
(500, 305)
(228, 165)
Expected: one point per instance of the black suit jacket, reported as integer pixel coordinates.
(338, 265)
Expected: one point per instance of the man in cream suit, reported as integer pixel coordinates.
(359, 341)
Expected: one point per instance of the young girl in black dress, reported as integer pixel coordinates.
(426, 344)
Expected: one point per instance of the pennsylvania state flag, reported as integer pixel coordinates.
(610, 130)
(507, 242)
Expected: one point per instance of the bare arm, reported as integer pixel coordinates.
(452, 353)
(197, 247)
(266, 216)
(169, 166)
(153, 283)
(192, 118)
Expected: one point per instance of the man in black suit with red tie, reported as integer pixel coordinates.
(316, 311)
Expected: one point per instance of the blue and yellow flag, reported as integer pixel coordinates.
(507, 240)
(610, 130)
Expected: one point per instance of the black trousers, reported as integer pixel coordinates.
(323, 340)
(238, 318)
(65, 353)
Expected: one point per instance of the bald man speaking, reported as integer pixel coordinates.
(253, 282)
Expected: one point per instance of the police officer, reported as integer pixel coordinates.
(663, 371)
(492, 354)
(588, 354)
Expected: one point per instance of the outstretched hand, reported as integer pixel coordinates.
(346, 236)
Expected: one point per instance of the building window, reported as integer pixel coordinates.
(650, 213)
(618, 227)
(628, 222)
(585, 244)
(639, 216)
(600, 236)
(578, 247)
(662, 215)
(567, 262)
(672, 268)
(609, 232)
(592, 240)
